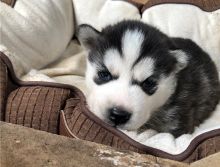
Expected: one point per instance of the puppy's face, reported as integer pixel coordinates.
(131, 72)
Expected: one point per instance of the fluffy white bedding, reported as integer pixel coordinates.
(36, 39)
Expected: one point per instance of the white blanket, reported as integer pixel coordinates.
(36, 39)
(35, 32)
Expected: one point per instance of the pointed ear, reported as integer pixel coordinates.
(87, 35)
(182, 59)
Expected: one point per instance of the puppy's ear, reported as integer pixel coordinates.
(87, 35)
(181, 56)
(182, 59)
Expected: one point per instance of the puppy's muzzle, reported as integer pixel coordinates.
(118, 115)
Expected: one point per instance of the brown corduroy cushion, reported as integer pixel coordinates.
(36, 107)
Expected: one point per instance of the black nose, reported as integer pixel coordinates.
(118, 115)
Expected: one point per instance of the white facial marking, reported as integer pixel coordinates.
(113, 61)
(143, 69)
(131, 45)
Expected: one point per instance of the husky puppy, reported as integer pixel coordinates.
(139, 78)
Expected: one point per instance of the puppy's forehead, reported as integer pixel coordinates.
(123, 60)
(131, 45)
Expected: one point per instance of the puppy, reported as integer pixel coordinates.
(139, 78)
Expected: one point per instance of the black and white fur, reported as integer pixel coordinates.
(138, 78)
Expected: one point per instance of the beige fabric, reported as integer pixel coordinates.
(35, 32)
(69, 69)
(210, 161)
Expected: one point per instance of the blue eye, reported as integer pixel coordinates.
(149, 85)
(104, 76)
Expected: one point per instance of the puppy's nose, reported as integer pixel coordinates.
(118, 115)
